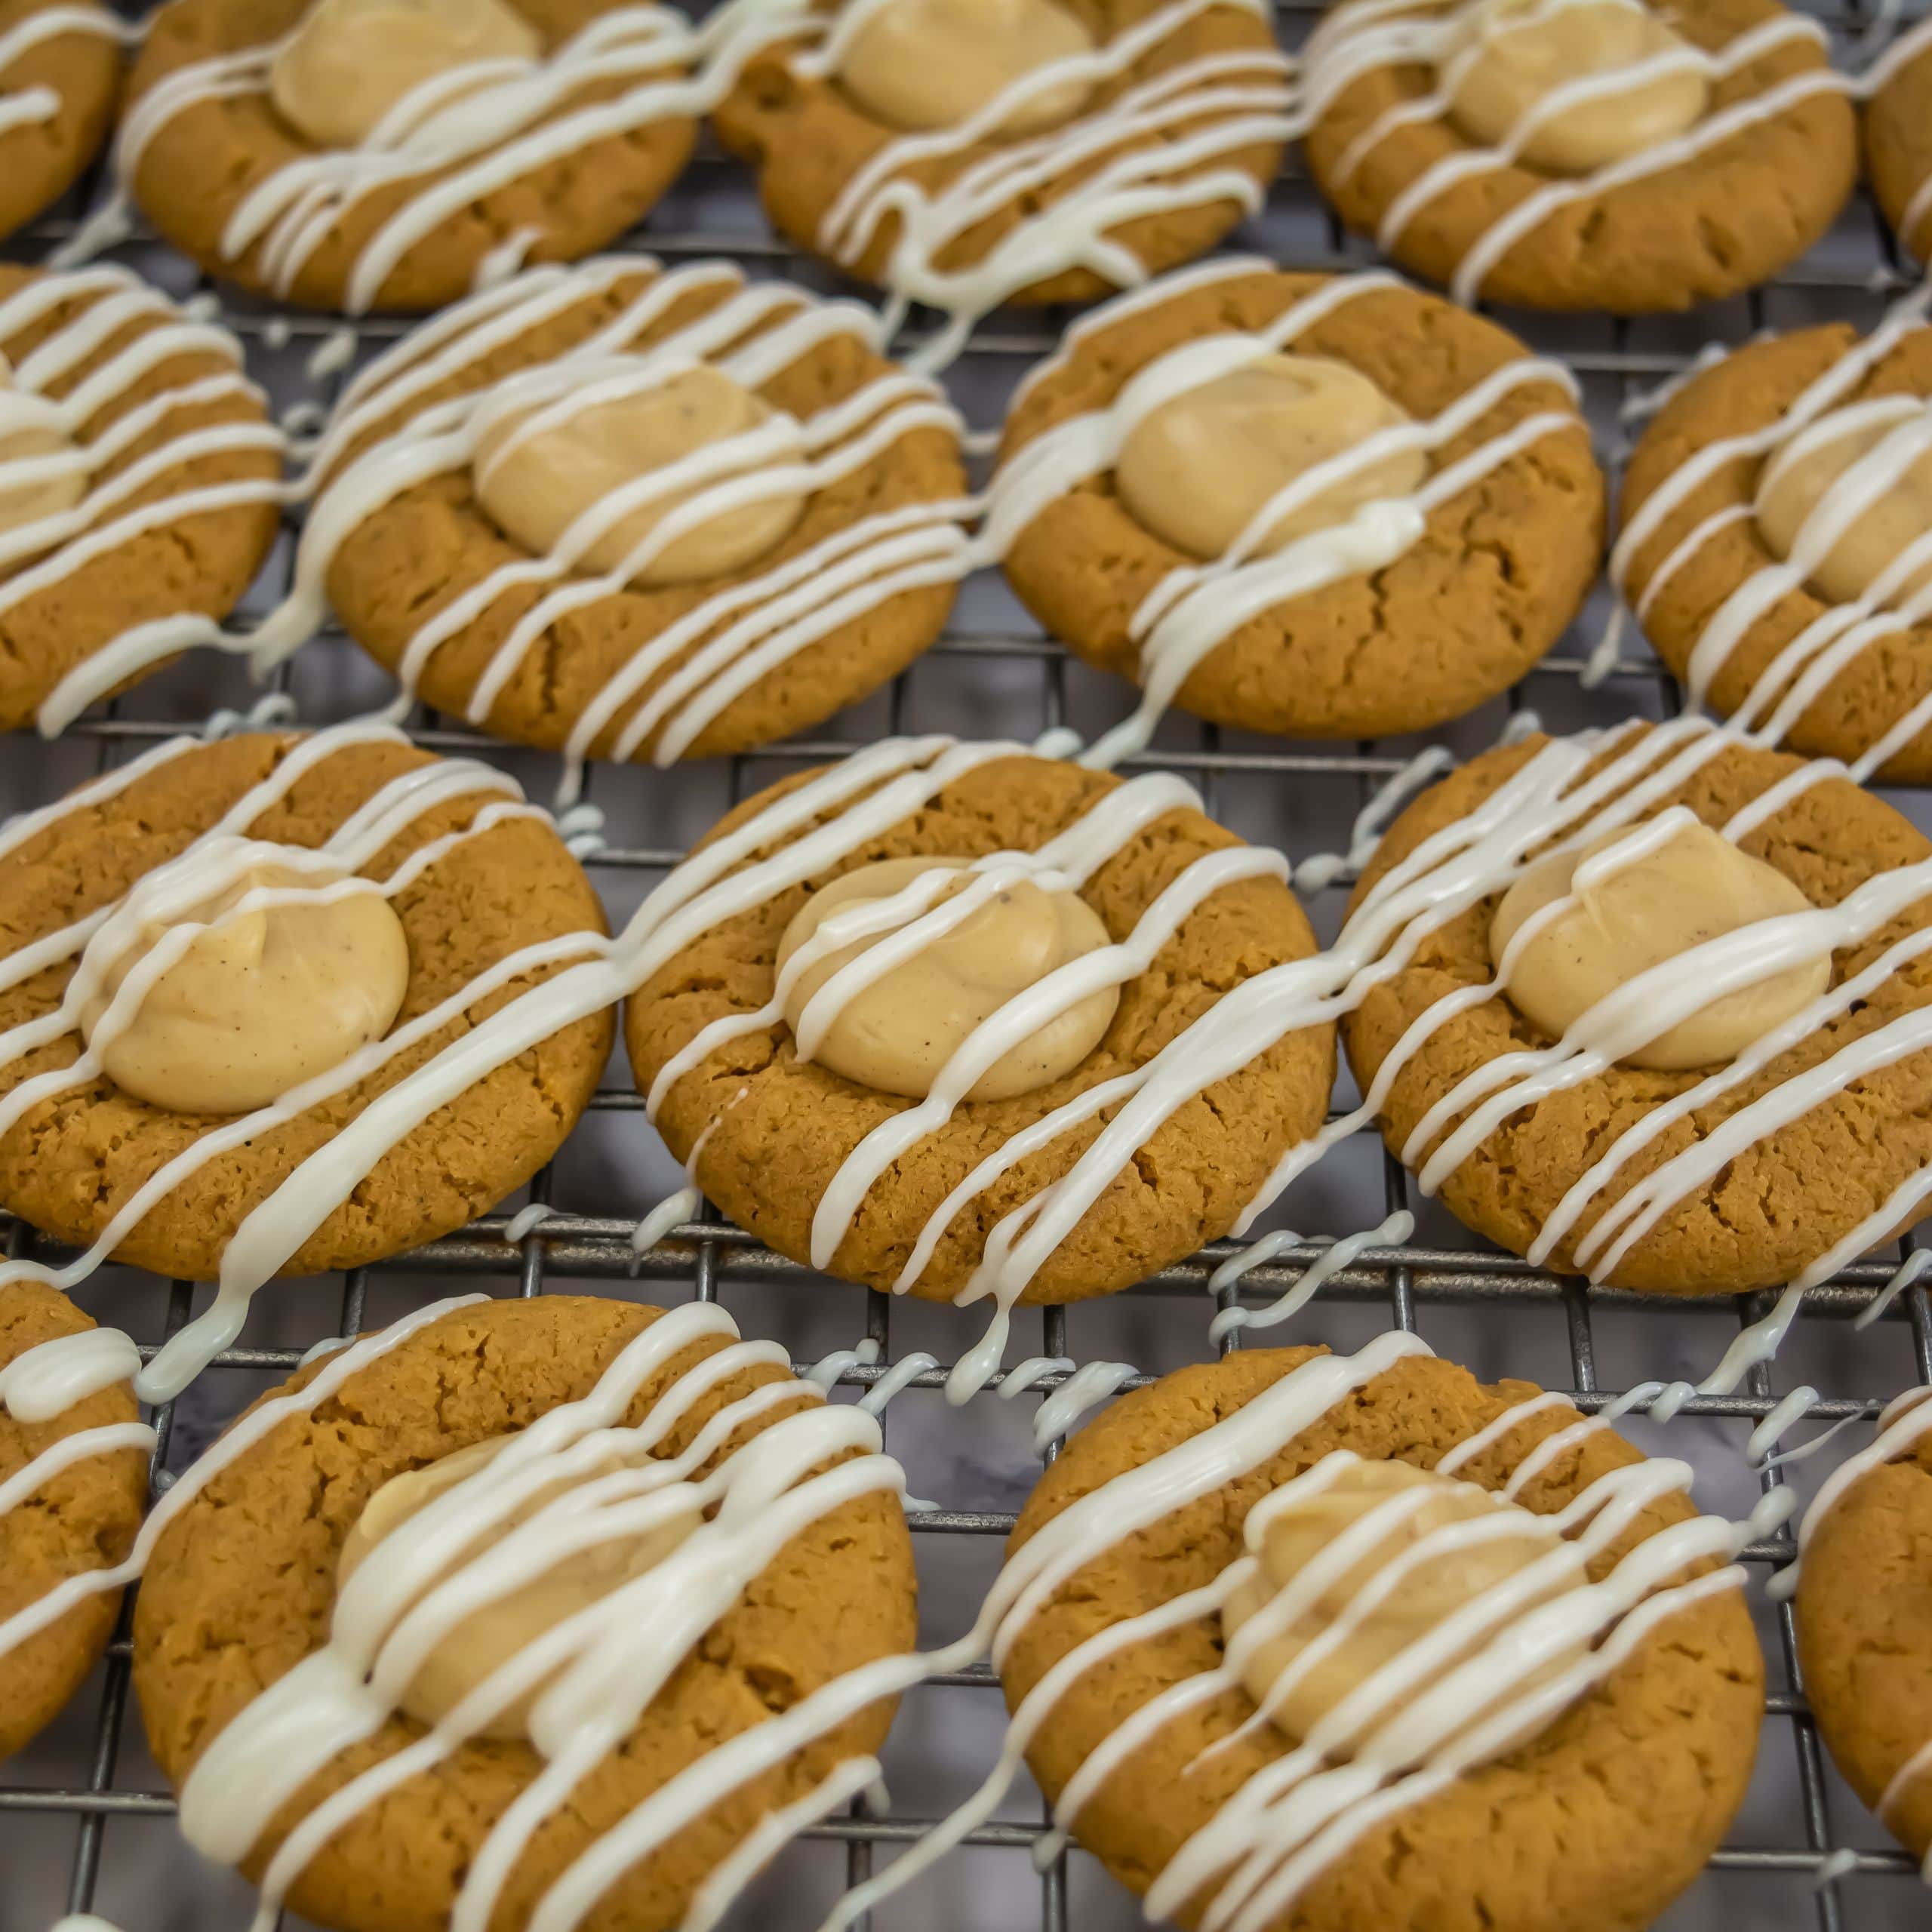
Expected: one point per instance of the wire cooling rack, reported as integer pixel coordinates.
(84, 1815)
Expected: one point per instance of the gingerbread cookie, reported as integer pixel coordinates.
(60, 77)
(357, 154)
(1864, 1618)
(158, 499)
(1776, 545)
(638, 513)
(963, 153)
(1898, 137)
(283, 1004)
(1667, 1019)
(1326, 507)
(638, 1551)
(1593, 156)
(1337, 1641)
(73, 1476)
(989, 958)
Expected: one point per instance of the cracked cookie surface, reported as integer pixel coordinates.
(1593, 1826)
(1726, 219)
(201, 563)
(83, 1518)
(1864, 1612)
(205, 162)
(72, 1160)
(783, 1127)
(1785, 1199)
(1501, 570)
(428, 545)
(1744, 394)
(243, 1584)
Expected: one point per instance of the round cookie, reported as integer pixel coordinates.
(1864, 1622)
(1499, 569)
(74, 612)
(769, 1134)
(203, 143)
(1753, 1215)
(78, 1155)
(82, 1518)
(918, 214)
(243, 1584)
(73, 70)
(1594, 1823)
(1754, 182)
(552, 655)
(1694, 564)
(1898, 138)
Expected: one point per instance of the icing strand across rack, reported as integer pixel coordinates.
(1553, 799)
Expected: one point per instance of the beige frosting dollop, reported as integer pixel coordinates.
(43, 435)
(259, 1002)
(1508, 56)
(536, 486)
(899, 1032)
(349, 61)
(924, 64)
(1417, 1603)
(490, 1636)
(1696, 886)
(1196, 470)
(1789, 490)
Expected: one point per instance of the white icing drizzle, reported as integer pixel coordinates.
(1808, 664)
(900, 1375)
(42, 1383)
(526, 1221)
(612, 1658)
(16, 1629)
(1089, 1386)
(1289, 1821)
(1395, 1229)
(272, 1232)
(824, 1373)
(63, 542)
(1364, 36)
(26, 107)
(742, 632)
(517, 119)
(1197, 608)
(1163, 143)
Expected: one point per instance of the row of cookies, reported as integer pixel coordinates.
(1290, 1638)
(628, 511)
(352, 154)
(955, 1019)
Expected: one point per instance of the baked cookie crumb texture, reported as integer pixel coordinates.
(1864, 1618)
(1898, 138)
(255, 130)
(1645, 1134)
(164, 502)
(696, 1637)
(1777, 546)
(80, 1515)
(798, 533)
(59, 80)
(1136, 133)
(1285, 1769)
(849, 1173)
(290, 1100)
(1496, 152)
(1444, 513)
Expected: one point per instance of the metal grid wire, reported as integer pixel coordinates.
(1037, 688)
